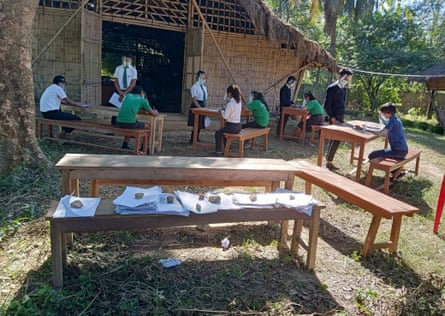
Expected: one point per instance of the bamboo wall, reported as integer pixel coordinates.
(256, 64)
(63, 56)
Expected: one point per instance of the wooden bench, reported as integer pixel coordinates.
(378, 204)
(246, 134)
(106, 219)
(388, 165)
(141, 136)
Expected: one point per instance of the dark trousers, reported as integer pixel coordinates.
(332, 150)
(285, 119)
(61, 116)
(395, 154)
(232, 128)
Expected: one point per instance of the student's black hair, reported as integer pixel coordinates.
(199, 73)
(259, 96)
(291, 79)
(235, 91)
(309, 95)
(137, 90)
(345, 71)
(388, 108)
(59, 79)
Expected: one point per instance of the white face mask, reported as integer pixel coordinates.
(201, 81)
(304, 102)
(250, 99)
(383, 120)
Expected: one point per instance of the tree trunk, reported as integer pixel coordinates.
(18, 143)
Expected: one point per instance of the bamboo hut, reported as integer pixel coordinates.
(234, 41)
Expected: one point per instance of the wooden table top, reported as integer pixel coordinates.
(348, 130)
(86, 161)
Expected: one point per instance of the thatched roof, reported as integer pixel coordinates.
(433, 77)
(276, 30)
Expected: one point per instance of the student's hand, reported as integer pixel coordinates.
(121, 97)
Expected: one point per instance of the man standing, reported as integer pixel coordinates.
(125, 77)
(335, 108)
(286, 100)
(50, 101)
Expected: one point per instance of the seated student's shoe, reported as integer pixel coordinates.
(217, 154)
(331, 166)
(125, 146)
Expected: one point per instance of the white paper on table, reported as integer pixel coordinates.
(87, 210)
(190, 200)
(115, 100)
(128, 200)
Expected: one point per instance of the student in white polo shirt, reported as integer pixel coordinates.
(50, 101)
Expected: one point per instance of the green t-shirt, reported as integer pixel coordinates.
(260, 113)
(130, 108)
(314, 107)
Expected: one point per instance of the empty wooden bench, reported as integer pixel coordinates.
(141, 136)
(246, 134)
(378, 204)
(389, 164)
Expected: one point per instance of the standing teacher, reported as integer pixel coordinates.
(199, 98)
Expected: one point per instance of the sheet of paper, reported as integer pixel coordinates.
(88, 209)
(128, 199)
(115, 100)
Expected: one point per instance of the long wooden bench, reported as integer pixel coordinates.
(378, 204)
(388, 165)
(244, 135)
(106, 219)
(141, 136)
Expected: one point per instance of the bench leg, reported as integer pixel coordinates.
(241, 148)
(94, 188)
(252, 143)
(395, 233)
(227, 147)
(372, 232)
(386, 184)
(266, 142)
(369, 175)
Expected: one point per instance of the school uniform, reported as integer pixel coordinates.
(124, 75)
(50, 102)
(199, 92)
(232, 115)
(260, 115)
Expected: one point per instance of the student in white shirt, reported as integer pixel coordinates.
(199, 100)
(232, 116)
(125, 77)
(50, 101)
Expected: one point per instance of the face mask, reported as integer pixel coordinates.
(63, 87)
(250, 98)
(225, 97)
(124, 63)
(290, 84)
(383, 120)
(128, 63)
(201, 81)
(304, 102)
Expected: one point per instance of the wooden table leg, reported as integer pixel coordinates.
(281, 124)
(360, 162)
(313, 237)
(296, 237)
(160, 127)
(283, 234)
(320, 148)
(57, 255)
(303, 132)
(195, 130)
(372, 232)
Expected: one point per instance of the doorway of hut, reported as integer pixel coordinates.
(158, 56)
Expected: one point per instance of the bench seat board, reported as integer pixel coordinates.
(246, 134)
(378, 204)
(141, 135)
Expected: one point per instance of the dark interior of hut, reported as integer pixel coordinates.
(158, 56)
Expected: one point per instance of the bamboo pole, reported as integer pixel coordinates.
(51, 41)
(198, 10)
(295, 72)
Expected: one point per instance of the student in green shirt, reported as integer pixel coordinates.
(259, 109)
(134, 103)
(315, 113)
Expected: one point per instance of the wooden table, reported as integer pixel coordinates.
(347, 133)
(104, 114)
(212, 113)
(203, 171)
(303, 113)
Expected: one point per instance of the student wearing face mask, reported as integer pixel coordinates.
(393, 129)
(125, 77)
(315, 116)
(260, 111)
(232, 116)
(286, 100)
(335, 108)
(199, 100)
(51, 100)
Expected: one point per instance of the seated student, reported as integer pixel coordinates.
(51, 100)
(316, 113)
(396, 136)
(232, 115)
(259, 110)
(134, 103)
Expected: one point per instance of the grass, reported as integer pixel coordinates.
(117, 273)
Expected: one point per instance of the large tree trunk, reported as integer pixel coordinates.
(18, 143)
